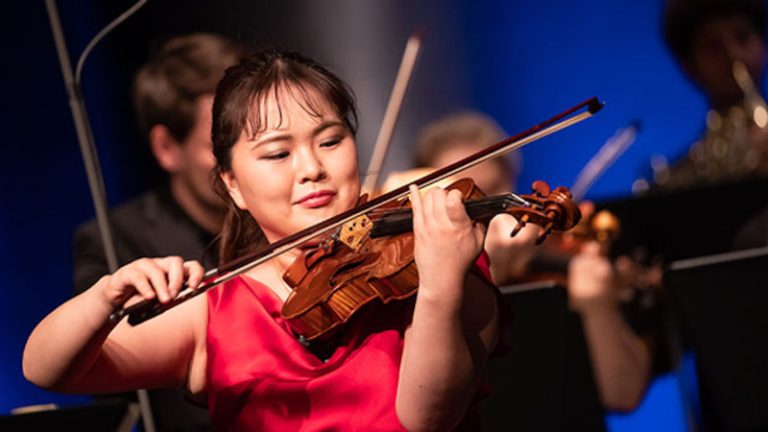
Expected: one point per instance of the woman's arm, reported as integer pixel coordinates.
(77, 349)
(455, 322)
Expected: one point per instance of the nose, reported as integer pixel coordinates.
(309, 168)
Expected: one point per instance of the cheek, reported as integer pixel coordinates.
(345, 175)
(255, 183)
(348, 169)
(262, 187)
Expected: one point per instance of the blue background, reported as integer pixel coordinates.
(518, 61)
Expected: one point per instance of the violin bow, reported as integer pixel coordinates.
(146, 309)
(606, 155)
(384, 138)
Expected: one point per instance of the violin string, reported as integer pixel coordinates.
(475, 212)
(401, 221)
(477, 209)
(493, 202)
(508, 199)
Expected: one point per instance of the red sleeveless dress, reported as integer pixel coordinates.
(261, 378)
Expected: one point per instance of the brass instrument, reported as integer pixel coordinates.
(728, 150)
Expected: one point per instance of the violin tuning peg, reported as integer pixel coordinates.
(541, 237)
(544, 233)
(541, 188)
(520, 225)
(548, 227)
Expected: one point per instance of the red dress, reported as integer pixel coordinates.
(261, 378)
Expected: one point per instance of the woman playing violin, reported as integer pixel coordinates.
(286, 158)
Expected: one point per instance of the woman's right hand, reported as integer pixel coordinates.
(66, 351)
(149, 278)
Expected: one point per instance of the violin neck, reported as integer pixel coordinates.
(482, 209)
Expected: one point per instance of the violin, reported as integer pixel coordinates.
(371, 258)
(550, 263)
(632, 276)
(552, 210)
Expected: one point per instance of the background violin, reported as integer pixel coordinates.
(632, 273)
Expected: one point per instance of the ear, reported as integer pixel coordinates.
(166, 149)
(233, 188)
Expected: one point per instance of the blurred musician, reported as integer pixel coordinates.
(620, 359)
(720, 45)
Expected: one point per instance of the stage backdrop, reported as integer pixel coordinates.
(518, 61)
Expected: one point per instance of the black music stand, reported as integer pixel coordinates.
(100, 416)
(688, 223)
(722, 305)
(543, 380)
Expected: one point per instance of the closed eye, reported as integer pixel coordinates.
(331, 142)
(276, 155)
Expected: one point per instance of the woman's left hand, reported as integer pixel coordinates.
(447, 241)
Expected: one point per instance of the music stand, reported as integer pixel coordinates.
(543, 379)
(102, 415)
(722, 305)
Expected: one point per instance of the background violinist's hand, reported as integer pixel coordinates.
(509, 255)
(147, 278)
(591, 280)
(446, 241)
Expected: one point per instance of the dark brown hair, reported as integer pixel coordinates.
(683, 18)
(243, 90)
(461, 129)
(166, 88)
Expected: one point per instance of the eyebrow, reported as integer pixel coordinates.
(286, 136)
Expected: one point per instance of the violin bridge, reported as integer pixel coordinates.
(355, 231)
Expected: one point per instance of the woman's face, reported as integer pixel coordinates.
(299, 169)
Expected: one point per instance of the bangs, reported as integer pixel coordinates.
(307, 97)
(243, 98)
(313, 91)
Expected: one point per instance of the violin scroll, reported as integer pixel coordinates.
(553, 210)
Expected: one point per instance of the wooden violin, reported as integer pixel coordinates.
(540, 212)
(633, 274)
(371, 257)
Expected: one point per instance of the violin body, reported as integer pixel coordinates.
(330, 284)
(358, 265)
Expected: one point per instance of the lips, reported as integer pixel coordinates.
(317, 199)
